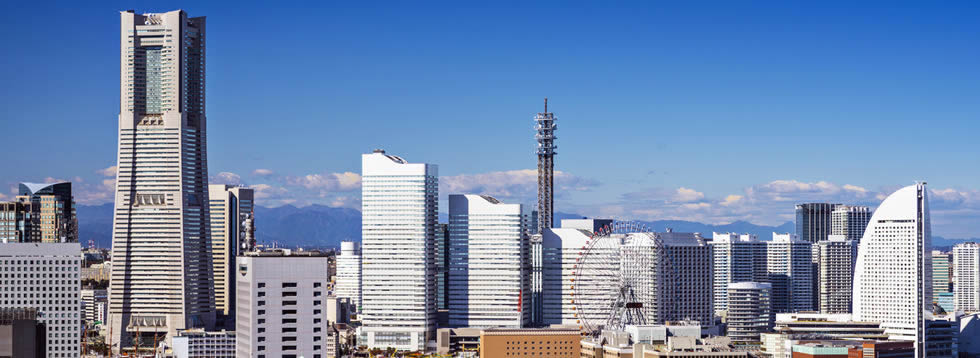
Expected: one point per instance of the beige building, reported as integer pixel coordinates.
(161, 277)
(230, 205)
(541, 342)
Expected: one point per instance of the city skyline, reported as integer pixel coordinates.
(694, 134)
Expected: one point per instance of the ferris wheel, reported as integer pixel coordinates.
(619, 278)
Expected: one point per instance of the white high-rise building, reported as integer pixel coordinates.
(835, 273)
(790, 273)
(281, 305)
(489, 270)
(737, 258)
(850, 221)
(893, 276)
(349, 273)
(230, 205)
(560, 248)
(45, 276)
(399, 206)
(161, 277)
(966, 276)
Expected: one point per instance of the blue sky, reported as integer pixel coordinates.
(707, 111)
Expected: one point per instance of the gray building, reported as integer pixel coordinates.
(813, 221)
(281, 305)
(835, 277)
(749, 311)
(230, 205)
(691, 266)
(54, 267)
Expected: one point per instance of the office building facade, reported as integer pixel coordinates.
(966, 276)
(942, 272)
(749, 311)
(281, 305)
(399, 208)
(229, 207)
(45, 277)
(813, 221)
(850, 221)
(893, 275)
(41, 212)
(349, 273)
(790, 272)
(835, 275)
(737, 258)
(689, 291)
(161, 277)
(489, 267)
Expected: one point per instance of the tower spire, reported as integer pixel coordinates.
(545, 127)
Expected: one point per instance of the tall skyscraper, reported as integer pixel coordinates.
(399, 204)
(161, 277)
(546, 127)
(41, 212)
(835, 273)
(849, 221)
(230, 205)
(790, 273)
(893, 277)
(489, 270)
(349, 273)
(737, 258)
(966, 276)
(45, 277)
(813, 221)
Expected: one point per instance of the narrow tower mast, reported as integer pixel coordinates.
(545, 127)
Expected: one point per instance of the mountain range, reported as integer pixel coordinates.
(325, 227)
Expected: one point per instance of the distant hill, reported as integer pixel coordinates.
(324, 226)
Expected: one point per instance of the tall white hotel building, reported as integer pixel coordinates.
(399, 204)
(489, 270)
(893, 275)
(161, 277)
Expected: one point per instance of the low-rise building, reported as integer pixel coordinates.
(458, 341)
(523, 342)
(197, 342)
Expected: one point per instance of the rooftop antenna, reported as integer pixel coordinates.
(546, 105)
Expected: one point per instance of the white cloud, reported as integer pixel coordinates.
(328, 182)
(685, 194)
(513, 185)
(262, 172)
(226, 178)
(108, 172)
